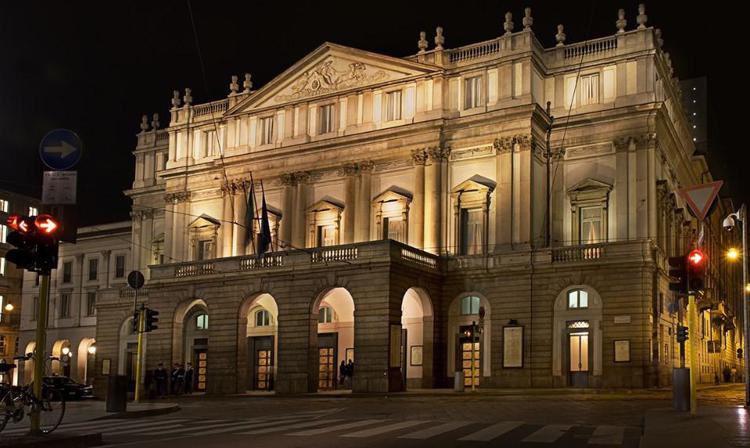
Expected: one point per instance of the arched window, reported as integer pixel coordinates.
(470, 305)
(201, 321)
(325, 315)
(262, 318)
(578, 298)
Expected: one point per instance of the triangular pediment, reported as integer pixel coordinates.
(475, 183)
(330, 69)
(205, 221)
(325, 204)
(393, 193)
(590, 184)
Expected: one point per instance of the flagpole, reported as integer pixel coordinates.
(257, 213)
(264, 217)
(251, 225)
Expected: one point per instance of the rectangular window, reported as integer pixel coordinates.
(201, 322)
(326, 236)
(205, 250)
(33, 211)
(3, 233)
(211, 143)
(2, 308)
(472, 92)
(4, 205)
(589, 89)
(266, 130)
(325, 119)
(325, 315)
(36, 280)
(578, 299)
(119, 266)
(2, 266)
(93, 268)
(393, 106)
(91, 303)
(64, 305)
(472, 232)
(67, 272)
(394, 229)
(591, 225)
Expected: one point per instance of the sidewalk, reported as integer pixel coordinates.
(715, 427)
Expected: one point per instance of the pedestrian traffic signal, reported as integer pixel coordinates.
(682, 333)
(151, 320)
(134, 322)
(696, 261)
(678, 274)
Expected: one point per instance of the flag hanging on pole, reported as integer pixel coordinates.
(264, 239)
(250, 214)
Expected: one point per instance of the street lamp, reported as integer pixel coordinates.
(729, 223)
(9, 307)
(733, 254)
(65, 351)
(92, 349)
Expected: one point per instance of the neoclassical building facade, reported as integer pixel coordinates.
(412, 228)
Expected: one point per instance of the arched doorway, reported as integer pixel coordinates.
(128, 350)
(86, 351)
(259, 339)
(469, 338)
(195, 326)
(28, 365)
(417, 338)
(333, 337)
(62, 352)
(577, 338)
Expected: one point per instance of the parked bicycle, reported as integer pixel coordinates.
(19, 401)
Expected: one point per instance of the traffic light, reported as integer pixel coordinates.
(696, 261)
(151, 320)
(134, 322)
(678, 274)
(23, 240)
(35, 239)
(682, 333)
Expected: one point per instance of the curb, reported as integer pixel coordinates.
(61, 440)
(141, 413)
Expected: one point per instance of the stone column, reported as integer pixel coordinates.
(362, 215)
(650, 142)
(178, 201)
(168, 228)
(350, 170)
(105, 258)
(147, 236)
(299, 225)
(288, 213)
(503, 193)
(227, 217)
(416, 229)
(136, 237)
(433, 187)
(240, 212)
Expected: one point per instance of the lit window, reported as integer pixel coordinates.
(4, 205)
(470, 306)
(393, 106)
(67, 272)
(2, 266)
(589, 89)
(201, 321)
(93, 268)
(326, 235)
(326, 119)
(577, 324)
(91, 303)
(394, 228)
(266, 130)
(578, 298)
(33, 211)
(2, 307)
(262, 318)
(325, 315)
(64, 305)
(591, 225)
(472, 92)
(472, 231)
(3, 233)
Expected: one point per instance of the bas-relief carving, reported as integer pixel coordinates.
(472, 153)
(593, 150)
(177, 197)
(330, 76)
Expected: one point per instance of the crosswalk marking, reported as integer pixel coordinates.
(342, 427)
(127, 428)
(434, 431)
(607, 435)
(237, 426)
(163, 430)
(95, 425)
(547, 434)
(492, 432)
(182, 428)
(292, 426)
(386, 428)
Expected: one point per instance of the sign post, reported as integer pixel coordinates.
(135, 281)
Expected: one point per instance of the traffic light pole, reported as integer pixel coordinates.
(39, 352)
(139, 356)
(745, 325)
(693, 338)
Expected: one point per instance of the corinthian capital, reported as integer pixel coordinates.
(439, 153)
(287, 179)
(419, 156)
(176, 197)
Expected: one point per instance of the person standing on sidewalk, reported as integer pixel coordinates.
(160, 378)
(189, 378)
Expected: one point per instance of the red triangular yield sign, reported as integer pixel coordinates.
(700, 197)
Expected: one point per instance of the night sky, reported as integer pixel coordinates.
(96, 67)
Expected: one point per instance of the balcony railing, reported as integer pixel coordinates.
(212, 108)
(475, 51)
(578, 253)
(192, 270)
(591, 47)
(334, 254)
(419, 257)
(262, 262)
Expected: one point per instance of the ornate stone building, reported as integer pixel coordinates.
(408, 210)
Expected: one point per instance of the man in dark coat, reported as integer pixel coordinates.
(160, 377)
(189, 378)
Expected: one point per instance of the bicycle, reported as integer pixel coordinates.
(19, 401)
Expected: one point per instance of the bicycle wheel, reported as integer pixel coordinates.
(52, 410)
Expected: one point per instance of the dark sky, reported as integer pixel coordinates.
(96, 67)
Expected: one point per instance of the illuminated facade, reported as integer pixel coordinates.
(407, 206)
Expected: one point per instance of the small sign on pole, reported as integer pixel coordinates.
(59, 187)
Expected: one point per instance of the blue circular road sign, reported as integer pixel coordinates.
(60, 149)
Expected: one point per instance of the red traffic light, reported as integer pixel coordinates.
(696, 257)
(46, 224)
(18, 223)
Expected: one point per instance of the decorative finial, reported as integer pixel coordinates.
(422, 43)
(144, 123)
(248, 83)
(508, 25)
(188, 99)
(155, 122)
(659, 39)
(642, 17)
(621, 22)
(439, 38)
(527, 19)
(234, 86)
(560, 36)
(176, 99)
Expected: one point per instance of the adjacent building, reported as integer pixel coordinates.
(99, 262)
(500, 211)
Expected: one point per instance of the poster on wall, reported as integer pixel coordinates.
(349, 355)
(512, 347)
(622, 350)
(416, 355)
(105, 366)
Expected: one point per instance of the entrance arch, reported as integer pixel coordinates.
(84, 358)
(417, 326)
(193, 342)
(128, 350)
(28, 365)
(62, 351)
(464, 311)
(258, 343)
(577, 337)
(332, 338)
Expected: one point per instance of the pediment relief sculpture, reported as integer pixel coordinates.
(330, 76)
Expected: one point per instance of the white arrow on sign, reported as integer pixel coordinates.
(64, 149)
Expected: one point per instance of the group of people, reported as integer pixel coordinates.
(177, 382)
(346, 371)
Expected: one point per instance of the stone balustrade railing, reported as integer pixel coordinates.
(475, 51)
(333, 254)
(578, 253)
(212, 108)
(591, 47)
